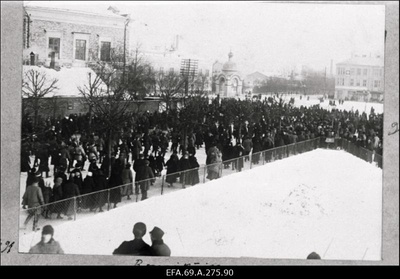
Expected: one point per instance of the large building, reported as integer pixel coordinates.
(74, 37)
(360, 78)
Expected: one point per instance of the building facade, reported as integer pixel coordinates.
(228, 81)
(73, 38)
(360, 78)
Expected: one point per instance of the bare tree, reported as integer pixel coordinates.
(170, 87)
(90, 91)
(140, 77)
(36, 86)
(201, 85)
(110, 102)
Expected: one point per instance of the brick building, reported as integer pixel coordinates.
(360, 78)
(76, 37)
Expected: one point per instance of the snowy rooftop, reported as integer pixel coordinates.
(68, 79)
(81, 8)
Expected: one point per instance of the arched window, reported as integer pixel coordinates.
(235, 85)
(222, 85)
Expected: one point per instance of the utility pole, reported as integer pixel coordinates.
(124, 61)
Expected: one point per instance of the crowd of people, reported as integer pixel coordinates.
(131, 161)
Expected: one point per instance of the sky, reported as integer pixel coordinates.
(262, 36)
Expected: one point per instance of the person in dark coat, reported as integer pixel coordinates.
(238, 151)
(135, 247)
(70, 190)
(172, 169)
(158, 247)
(137, 166)
(44, 159)
(160, 162)
(152, 164)
(33, 198)
(47, 192)
(47, 244)
(87, 188)
(147, 176)
(113, 183)
(93, 166)
(184, 166)
(100, 183)
(194, 174)
(56, 206)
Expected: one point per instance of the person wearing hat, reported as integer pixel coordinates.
(47, 244)
(31, 177)
(33, 198)
(158, 247)
(135, 247)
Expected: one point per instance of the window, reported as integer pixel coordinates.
(338, 81)
(358, 71)
(377, 83)
(105, 51)
(54, 46)
(352, 71)
(351, 82)
(342, 83)
(80, 49)
(365, 83)
(381, 72)
(358, 82)
(376, 72)
(365, 72)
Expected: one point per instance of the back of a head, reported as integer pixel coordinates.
(313, 256)
(139, 230)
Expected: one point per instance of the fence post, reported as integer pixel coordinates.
(204, 173)
(251, 160)
(162, 184)
(75, 208)
(237, 165)
(263, 157)
(108, 199)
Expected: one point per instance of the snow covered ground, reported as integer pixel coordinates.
(347, 105)
(326, 201)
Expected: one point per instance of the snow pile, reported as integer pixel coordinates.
(325, 201)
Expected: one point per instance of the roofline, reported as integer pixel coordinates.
(117, 17)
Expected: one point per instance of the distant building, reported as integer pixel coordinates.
(360, 78)
(75, 38)
(227, 80)
(252, 80)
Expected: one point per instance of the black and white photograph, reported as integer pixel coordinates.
(202, 129)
